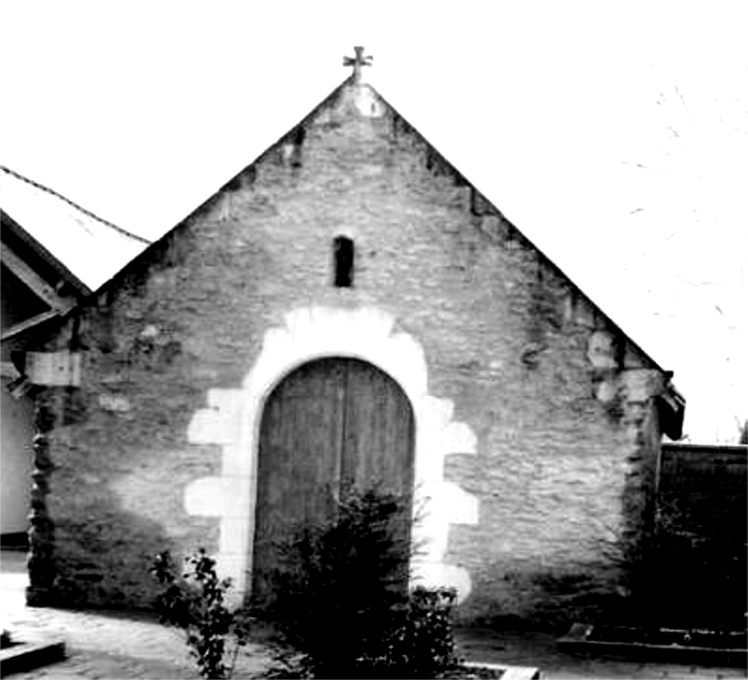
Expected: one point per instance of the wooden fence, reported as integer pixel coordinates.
(708, 485)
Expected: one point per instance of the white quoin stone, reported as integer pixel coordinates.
(232, 420)
(642, 384)
(218, 423)
(601, 351)
(203, 497)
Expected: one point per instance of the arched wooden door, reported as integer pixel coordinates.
(331, 421)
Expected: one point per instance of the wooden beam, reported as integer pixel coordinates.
(8, 370)
(54, 368)
(37, 284)
(29, 323)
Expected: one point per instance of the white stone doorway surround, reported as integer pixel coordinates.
(232, 420)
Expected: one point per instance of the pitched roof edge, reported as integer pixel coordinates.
(677, 401)
(162, 240)
(204, 203)
(49, 258)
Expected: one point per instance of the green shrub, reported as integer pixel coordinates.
(422, 644)
(194, 602)
(341, 598)
(684, 573)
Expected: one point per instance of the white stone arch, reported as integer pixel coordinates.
(233, 417)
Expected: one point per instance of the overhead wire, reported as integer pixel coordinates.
(87, 213)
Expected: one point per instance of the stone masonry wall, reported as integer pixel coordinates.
(561, 405)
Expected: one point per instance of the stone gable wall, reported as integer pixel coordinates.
(561, 407)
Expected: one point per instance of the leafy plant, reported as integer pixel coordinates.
(423, 643)
(694, 550)
(341, 597)
(681, 573)
(194, 602)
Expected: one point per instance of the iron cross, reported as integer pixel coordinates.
(357, 62)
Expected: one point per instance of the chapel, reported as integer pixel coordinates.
(348, 307)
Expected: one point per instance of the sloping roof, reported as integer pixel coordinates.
(18, 244)
(89, 247)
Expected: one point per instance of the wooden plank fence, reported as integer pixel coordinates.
(708, 485)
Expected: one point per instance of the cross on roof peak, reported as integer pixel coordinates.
(357, 62)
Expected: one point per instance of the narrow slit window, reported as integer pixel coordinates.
(343, 256)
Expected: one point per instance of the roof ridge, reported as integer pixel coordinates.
(88, 213)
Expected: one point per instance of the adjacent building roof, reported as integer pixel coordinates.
(87, 249)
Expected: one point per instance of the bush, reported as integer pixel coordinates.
(423, 643)
(682, 574)
(342, 602)
(705, 560)
(194, 602)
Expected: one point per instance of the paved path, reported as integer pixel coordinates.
(105, 645)
(119, 645)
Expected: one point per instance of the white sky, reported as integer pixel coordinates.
(614, 135)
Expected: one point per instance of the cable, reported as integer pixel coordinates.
(88, 213)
